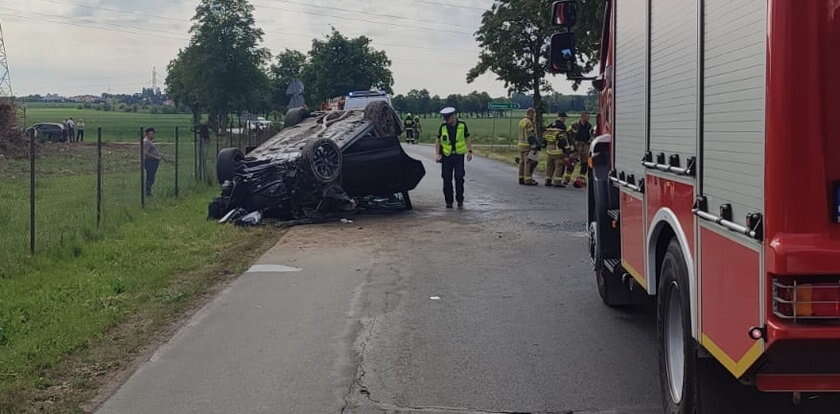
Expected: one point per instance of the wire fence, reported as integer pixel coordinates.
(64, 194)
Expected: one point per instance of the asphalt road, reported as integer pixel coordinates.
(488, 310)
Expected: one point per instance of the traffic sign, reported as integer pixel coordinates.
(502, 106)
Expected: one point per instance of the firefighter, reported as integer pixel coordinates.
(527, 152)
(556, 141)
(418, 127)
(453, 145)
(582, 138)
(409, 129)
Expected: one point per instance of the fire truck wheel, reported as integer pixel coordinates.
(678, 362)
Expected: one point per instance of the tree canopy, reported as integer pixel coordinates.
(223, 68)
(514, 38)
(337, 65)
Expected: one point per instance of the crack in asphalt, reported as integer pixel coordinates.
(358, 381)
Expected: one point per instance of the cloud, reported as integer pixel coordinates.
(88, 46)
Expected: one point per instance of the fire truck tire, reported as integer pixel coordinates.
(227, 162)
(680, 368)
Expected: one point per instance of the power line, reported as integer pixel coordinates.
(418, 28)
(387, 16)
(119, 30)
(455, 6)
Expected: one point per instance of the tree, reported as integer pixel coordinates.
(287, 67)
(514, 41)
(182, 83)
(588, 30)
(338, 65)
(223, 66)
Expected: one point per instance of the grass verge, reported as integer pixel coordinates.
(66, 325)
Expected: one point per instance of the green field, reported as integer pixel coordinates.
(496, 131)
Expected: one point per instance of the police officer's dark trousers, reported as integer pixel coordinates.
(453, 168)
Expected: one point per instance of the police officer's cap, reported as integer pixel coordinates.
(448, 111)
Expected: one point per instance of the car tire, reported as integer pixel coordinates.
(680, 371)
(386, 122)
(407, 200)
(227, 162)
(323, 159)
(294, 116)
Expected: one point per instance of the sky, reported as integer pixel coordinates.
(74, 47)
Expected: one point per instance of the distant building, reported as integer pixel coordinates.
(85, 99)
(54, 97)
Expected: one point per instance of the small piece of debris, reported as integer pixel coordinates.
(434, 297)
(346, 221)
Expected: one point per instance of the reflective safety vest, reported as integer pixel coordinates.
(460, 140)
(526, 129)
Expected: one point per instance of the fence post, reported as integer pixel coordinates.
(195, 154)
(98, 177)
(142, 173)
(176, 162)
(32, 193)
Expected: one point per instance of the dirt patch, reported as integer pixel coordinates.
(91, 374)
(74, 159)
(13, 144)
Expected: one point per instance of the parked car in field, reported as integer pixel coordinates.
(322, 162)
(258, 123)
(48, 132)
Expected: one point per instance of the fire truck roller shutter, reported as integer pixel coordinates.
(630, 88)
(674, 72)
(734, 95)
(732, 281)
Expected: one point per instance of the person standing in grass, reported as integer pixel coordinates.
(80, 131)
(151, 159)
(71, 129)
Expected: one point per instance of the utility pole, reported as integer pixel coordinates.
(5, 77)
(154, 79)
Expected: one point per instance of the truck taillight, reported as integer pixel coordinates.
(805, 299)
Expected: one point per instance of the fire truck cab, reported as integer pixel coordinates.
(714, 186)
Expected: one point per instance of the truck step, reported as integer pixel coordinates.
(612, 265)
(614, 214)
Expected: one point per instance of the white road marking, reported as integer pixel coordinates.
(270, 268)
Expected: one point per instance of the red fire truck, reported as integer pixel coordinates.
(715, 185)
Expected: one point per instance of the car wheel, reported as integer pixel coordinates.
(678, 361)
(227, 162)
(294, 116)
(407, 200)
(324, 160)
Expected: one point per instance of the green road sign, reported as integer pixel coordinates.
(502, 106)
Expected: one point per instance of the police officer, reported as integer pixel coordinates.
(453, 145)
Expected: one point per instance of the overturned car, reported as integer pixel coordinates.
(319, 164)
